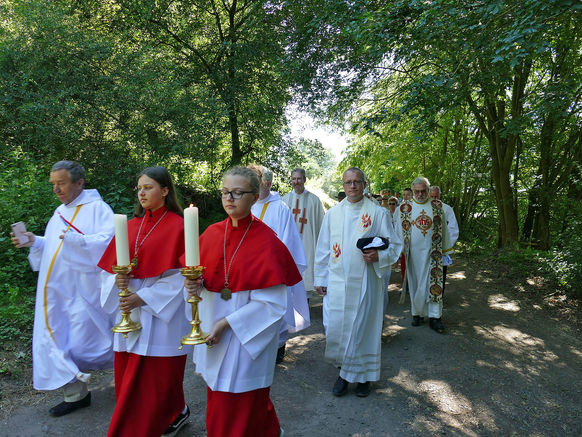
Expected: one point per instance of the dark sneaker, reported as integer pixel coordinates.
(340, 387)
(280, 355)
(68, 407)
(178, 423)
(363, 389)
(436, 324)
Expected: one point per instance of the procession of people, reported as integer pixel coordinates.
(99, 272)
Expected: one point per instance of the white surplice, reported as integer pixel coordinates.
(353, 305)
(72, 334)
(453, 228)
(162, 318)
(278, 217)
(244, 358)
(308, 214)
(418, 261)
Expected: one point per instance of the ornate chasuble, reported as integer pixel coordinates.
(429, 222)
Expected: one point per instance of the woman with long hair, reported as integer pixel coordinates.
(149, 368)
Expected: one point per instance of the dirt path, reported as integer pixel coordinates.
(504, 367)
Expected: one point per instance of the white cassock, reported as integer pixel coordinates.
(163, 317)
(353, 305)
(244, 358)
(453, 228)
(308, 214)
(418, 261)
(278, 217)
(72, 334)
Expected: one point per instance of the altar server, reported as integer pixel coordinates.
(244, 297)
(149, 367)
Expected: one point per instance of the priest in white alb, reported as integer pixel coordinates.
(351, 281)
(275, 214)
(307, 213)
(426, 239)
(72, 334)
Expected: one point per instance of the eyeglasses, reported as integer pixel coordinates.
(235, 194)
(356, 183)
(419, 191)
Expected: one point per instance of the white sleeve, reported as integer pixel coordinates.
(252, 322)
(35, 253)
(165, 296)
(321, 262)
(85, 251)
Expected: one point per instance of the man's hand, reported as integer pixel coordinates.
(370, 255)
(322, 291)
(193, 286)
(16, 241)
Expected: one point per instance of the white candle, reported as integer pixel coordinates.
(191, 236)
(121, 241)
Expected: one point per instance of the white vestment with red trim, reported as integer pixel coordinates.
(307, 213)
(353, 305)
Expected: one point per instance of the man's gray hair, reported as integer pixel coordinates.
(250, 175)
(299, 170)
(75, 170)
(437, 189)
(267, 174)
(358, 170)
(421, 180)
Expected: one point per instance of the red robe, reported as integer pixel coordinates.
(262, 261)
(148, 390)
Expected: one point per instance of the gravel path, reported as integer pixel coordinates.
(504, 367)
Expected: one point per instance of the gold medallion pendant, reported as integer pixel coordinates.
(225, 293)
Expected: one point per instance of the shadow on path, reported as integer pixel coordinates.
(503, 367)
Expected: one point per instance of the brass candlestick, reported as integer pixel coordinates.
(126, 325)
(196, 336)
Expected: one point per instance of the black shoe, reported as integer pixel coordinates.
(68, 407)
(178, 423)
(436, 324)
(340, 387)
(363, 389)
(417, 320)
(280, 355)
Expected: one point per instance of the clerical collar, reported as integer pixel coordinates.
(157, 213)
(242, 222)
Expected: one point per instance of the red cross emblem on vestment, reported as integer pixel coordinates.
(303, 219)
(295, 211)
(366, 221)
(336, 250)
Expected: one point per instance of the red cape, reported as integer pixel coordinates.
(262, 260)
(162, 249)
